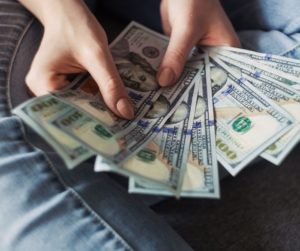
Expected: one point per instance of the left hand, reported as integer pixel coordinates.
(191, 22)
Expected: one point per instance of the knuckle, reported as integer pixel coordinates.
(177, 55)
(189, 34)
(93, 51)
(188, 28)
(185, 29)
(31, 84)
(98, 51)
(40, 85)
(112, 86)
(31, 80)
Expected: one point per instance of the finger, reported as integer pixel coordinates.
(42, 77)
(221, 32)
(41, 83)
(165, 18)
(227, 30)
(221, 37)
(100, 65)
(181, 43)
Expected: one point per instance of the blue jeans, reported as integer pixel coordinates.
(45, 207)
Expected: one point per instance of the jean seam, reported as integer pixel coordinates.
(47, 160)
(20, 39)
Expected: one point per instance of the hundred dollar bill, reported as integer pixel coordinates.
(288, 98)
(83, 94)
(259, 68)
(247, 121)
(287, 65)
(37, 113)
(201, 178)
(115, 147)
(162, 161)
(137, 53)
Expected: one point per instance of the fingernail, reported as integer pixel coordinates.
(125, 108)
(166, 77)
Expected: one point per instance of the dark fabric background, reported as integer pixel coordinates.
(258, 210)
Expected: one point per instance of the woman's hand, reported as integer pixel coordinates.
(74, 42)
(191, 22)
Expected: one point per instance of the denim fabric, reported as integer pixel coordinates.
(268, 26)
(45, 207)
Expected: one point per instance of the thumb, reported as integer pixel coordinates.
(102, 68)
(181, 43)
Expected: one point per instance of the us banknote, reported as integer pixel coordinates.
(137, 53)
(260, 68)
(201, 178)
(144, 48)
(162, 162)
(285, 64)
(38, 113)
(247, 121)
(285, 96)
(116, 148)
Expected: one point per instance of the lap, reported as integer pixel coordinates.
(267, 26)
(264, 15)
(44, 206)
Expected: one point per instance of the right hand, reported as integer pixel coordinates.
(191, 22)
(74, 42)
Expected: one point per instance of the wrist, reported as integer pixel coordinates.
(50, 11)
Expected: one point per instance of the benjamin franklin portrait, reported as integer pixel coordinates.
(136, 72)
(218, 79)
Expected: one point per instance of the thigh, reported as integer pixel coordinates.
(42, 205)
(264, 15)
(269, 26)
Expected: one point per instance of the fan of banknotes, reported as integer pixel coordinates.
(229, 106)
